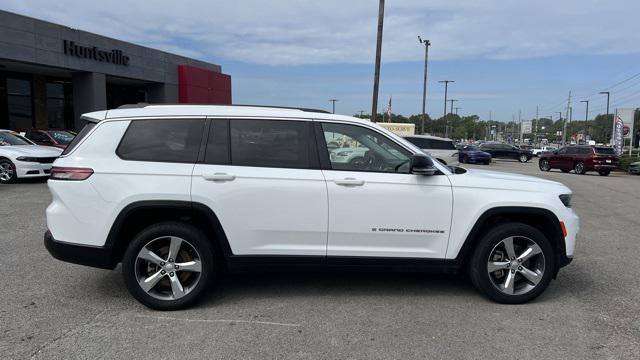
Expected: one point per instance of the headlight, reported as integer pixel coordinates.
(566, 199)
(27, 159)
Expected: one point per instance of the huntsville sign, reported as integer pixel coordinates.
(114, 56)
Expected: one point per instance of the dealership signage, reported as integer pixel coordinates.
(94, 53)
(622, 128)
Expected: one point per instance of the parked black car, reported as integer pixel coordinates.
(506, 151)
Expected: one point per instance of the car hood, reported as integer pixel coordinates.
(489, 179)
(30, 150)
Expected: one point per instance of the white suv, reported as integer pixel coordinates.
(442, 149)
(177, 193)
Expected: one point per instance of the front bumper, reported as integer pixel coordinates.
(29, 169)
(94, 256)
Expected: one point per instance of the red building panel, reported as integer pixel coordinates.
(202, 86)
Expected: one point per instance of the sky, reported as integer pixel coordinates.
(505, 56)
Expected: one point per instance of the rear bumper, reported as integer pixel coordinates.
(94, 256)
(605, 167)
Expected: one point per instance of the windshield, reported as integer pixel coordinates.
(7, 138)
(61, 137)
(605, 151)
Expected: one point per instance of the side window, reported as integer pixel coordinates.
(271, 143)
(562, 151)
(362, 149)
(37, 136)
(171, 140)
(443, 145)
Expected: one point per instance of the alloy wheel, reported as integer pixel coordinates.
(168, 268)
(523, 158)
(6, 171)
(544, 165)
(516, 265)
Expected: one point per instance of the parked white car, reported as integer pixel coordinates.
(441, 149)
(177, 193)
(20, 158)
(536, 151)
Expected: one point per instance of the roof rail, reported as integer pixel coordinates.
(143, 105)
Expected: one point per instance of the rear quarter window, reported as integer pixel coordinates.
(605, 151)
(81, 135)
(162, 140)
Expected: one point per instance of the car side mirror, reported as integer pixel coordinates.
(422, 165)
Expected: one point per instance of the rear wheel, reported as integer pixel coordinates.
(168, 266)
(523, 158)
(544, 165)
(579, 168)
(7, 171)
(604, 172)
(512, 264)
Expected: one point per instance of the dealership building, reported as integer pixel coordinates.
(51, 74)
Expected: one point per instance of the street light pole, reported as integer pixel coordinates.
(333, 105)
(444, 115)
(426, 43)
(376, 75)
(586, 118)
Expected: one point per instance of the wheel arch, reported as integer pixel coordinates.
(542, 219)
(138, 215)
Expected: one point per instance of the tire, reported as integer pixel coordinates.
(579, 168)
(7, 171)
(164, 293)
(543, 164)
(491, 249)
(523, 158)
(604, 172)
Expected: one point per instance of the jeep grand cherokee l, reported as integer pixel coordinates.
(580, 159)
(178, 193)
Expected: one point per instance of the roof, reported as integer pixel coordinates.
(164, 110)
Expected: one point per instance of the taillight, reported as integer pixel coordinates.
(65, 173)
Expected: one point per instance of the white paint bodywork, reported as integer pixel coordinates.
(13, 152)
(273, 211)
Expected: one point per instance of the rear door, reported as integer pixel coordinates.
(262, 179)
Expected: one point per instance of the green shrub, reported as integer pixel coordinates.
(625, 160)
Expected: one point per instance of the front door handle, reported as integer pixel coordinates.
(218, 177)
(349, 182)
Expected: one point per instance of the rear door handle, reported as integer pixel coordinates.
(218, 177)
(349, 182)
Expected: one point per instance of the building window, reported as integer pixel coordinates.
(19, 104)
(55, 106)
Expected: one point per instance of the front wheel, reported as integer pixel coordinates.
(523, 158)
(544, 165)
(512, 264)
(7, 171)
(168, 266)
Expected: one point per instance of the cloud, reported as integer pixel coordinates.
(281, 32)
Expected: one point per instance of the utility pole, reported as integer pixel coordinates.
(426, 43)
(608, 93)
(535, 129)
(444, 115)
(569, 114)
(520, 124)
(586, 118)
(457, 108)
(450, 112)
(376, 75)
(333, 105)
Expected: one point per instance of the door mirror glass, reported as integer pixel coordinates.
(422, 165)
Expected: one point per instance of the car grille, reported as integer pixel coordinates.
(46, 160)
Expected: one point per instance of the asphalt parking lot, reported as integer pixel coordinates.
(55, 310)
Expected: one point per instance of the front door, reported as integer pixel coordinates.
(262, 180)
(376, 207)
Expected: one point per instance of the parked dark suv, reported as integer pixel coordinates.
(506, 151)
(580, 159)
